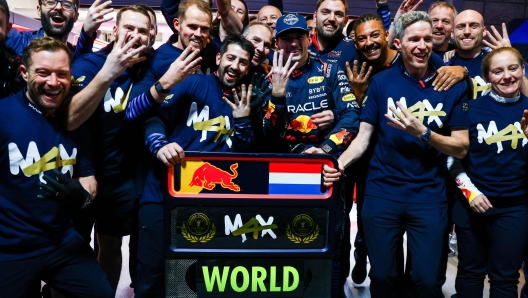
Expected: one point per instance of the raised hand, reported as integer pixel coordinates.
(359, 81)
(123, 55)
(497, 41)
(280, 73)
(405, 121)
(186, 64)
(170, 154)
(97, 14)
(524, 123)
(241, 107)
(406, 6)
(261, 90)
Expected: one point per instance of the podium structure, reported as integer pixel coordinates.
(250, 225)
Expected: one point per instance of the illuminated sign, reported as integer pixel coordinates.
(250, 278)
(249, 228)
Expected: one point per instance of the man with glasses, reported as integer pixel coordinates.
(57, 18)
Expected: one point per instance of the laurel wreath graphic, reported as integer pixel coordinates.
(195, 239)
(298, 240)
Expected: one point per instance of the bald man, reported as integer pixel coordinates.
(269, 15)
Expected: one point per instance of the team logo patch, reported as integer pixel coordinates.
(349, 97)
(315, 80)
(290, 19)
(198, 228)
(302, 229)
(339, 137)
(209, 176)
(302, 123)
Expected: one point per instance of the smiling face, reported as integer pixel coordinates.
(416, 46)
(469, 32)
(194, 29)
(48, 78)
(443, 18)
(56, 21)
(371, 39)
(260, 37)
(505, 74)
(294, 42)
(330, 19)
(269, 15)
(133, 24)
(233, 65)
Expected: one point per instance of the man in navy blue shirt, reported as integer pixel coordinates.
(116, 143)
(57, 18)
(38, 196)
(405, 189)
(193, 117)
(443, 16)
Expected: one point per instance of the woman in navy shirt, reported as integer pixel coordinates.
(493, 179)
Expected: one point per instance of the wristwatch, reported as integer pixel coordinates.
(426, 136)
(160, 89)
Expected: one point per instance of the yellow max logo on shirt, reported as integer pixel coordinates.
(349, 97)
(77, 82)
(315, 80)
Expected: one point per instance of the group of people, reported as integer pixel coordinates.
(87, 136)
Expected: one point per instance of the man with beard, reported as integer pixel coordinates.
(57, 22)
(328, 42)
(37, 240)
(177, 129)
(405, 187)
(10, 79)
(443, 16)
(193, 28)
(115, 141)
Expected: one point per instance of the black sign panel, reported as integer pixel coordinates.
(250, 278)
(216, 227)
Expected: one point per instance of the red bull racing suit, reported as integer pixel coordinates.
(313, 88)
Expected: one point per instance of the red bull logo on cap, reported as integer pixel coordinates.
(302, 124)
(208, 176)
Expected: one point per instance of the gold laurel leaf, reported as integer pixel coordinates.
(209, 235)
(313, 236)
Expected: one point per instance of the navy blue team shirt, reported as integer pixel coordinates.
(31, 144)
(194, 116)
(497, 157)
(116, 142)
(403, 168)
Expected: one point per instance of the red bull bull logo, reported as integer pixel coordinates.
(338, 138)
(271, 110)
(302, 124)
(208, 176)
